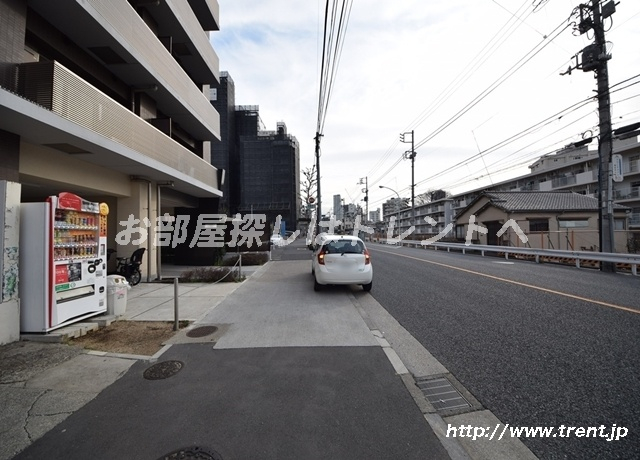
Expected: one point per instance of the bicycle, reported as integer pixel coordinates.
(129, 267)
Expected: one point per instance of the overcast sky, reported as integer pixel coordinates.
(416, 65)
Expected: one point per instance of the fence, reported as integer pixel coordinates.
(579, 258)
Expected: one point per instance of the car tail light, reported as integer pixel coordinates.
(367, 257)
(321, 257)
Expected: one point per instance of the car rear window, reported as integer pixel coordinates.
(344, 247)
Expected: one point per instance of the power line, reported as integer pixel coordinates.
(463, 77)
(523, 133)
(332, 45)
(335, 27)
(495, 85)
(472, 67)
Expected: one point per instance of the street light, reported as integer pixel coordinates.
(399, 199)
(389, 188)
(397, 203)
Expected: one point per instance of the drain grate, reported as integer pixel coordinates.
(442, 394)
(162, 370)
(201, 331)
(192, 453)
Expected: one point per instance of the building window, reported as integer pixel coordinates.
(539, 225)
(576, 223)
(619, 224)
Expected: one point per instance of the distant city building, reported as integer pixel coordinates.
(374, 216)
(337, 207)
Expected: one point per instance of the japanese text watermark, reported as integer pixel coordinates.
(249, 230)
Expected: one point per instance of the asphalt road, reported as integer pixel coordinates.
(538, 345)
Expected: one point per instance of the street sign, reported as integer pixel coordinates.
(616, 168)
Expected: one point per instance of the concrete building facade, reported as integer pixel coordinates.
(110, 101)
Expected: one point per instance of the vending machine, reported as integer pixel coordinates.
(63, 274)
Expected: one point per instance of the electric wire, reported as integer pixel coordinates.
(529, 156)
(495, 85)
(472, 67)
(519, 135)
(335, 27)
(444, 96)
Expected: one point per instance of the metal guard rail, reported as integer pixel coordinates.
(627, 259)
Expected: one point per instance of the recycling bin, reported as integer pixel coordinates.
(117, 287)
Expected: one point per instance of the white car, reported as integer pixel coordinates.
(276, 240)
(341, 259)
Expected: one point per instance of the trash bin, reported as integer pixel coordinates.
(117, 287)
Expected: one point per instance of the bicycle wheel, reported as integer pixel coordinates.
(135, 277)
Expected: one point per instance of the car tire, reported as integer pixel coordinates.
(316, 286)
(367, 287)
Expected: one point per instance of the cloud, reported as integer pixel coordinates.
(398, 71)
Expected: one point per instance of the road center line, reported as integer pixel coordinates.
(531, 286)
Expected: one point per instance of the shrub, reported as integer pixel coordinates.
(248, 258)
(209, 275)
(633, 244)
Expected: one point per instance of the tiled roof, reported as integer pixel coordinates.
(543, 201)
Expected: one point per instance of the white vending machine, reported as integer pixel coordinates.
(63, 274)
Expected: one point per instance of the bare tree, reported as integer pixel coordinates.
(308, 189)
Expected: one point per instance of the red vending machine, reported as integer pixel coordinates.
(63, 273)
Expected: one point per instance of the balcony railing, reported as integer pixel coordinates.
(632, 167)
(59, 90)
(626, 193)
(563, 181)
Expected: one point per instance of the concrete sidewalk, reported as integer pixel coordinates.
(289, 373)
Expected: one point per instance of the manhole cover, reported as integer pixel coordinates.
(201, 331)
(162, 370)
(189, 453)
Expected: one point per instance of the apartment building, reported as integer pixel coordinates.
(269, 170)
(573, 168)
(108, 100)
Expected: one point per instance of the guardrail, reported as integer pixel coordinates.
(581, 258)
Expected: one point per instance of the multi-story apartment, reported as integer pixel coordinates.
(573, 168)
(269, 169)
(108, 100)
(261, 168)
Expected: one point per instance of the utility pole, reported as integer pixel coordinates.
(411, 155)
(319, 200)
(594, 57)
(365, 190)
